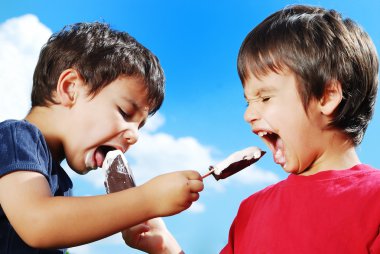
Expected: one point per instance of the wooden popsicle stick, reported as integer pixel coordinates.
(208, 173)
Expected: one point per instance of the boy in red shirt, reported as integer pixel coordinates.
(310, 79)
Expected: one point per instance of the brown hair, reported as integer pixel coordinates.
(100, 55)
(318, 46)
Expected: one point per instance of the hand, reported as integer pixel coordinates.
(152, 237)
(172, 193)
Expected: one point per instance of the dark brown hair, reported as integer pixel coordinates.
(100, 55)
(318, 46)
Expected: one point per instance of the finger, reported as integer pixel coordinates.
(131, 235)
(138, 229)
(192, 175)
(196, 185)
(194, 196)
(156, 223)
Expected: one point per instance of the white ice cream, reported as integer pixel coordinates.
(110, 157)
(245, 154)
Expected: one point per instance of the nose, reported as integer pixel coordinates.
(131, 134)
(251, 114)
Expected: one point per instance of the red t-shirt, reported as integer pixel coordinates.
(335, 211)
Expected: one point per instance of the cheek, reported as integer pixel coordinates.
(302, 141)
(101, 131)
(98, 118)
(278, 117)
(92, 131)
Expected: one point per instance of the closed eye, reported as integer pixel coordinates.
(124, 114)
(259, 99)
(142, 124)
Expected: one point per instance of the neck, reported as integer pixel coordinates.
(47, 122)
(339, 154)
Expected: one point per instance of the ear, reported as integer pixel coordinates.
(331, 98)
(67, 87)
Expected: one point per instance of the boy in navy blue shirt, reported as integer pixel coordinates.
(93, 89)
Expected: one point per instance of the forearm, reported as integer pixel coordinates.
(70, 221)
(44, 221)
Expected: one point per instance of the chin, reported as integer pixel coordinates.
(85, 171)
(82, 170)
(290, 170)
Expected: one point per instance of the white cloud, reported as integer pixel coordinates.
(154, 122)
(159, 153)
(197, 207)
(21, 39)
(256, 175)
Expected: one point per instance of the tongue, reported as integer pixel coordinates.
(99, 157)
(279, 155)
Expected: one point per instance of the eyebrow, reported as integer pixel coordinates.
(262, 90)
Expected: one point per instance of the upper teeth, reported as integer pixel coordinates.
(262, 133)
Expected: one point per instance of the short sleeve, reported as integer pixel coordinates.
(22, 147)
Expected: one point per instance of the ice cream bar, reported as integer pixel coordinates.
(118, 174)
(235, 162)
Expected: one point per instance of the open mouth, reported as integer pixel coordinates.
(100, 154)
(275, 144)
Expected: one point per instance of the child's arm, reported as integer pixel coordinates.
(44, 221)
(152, 237)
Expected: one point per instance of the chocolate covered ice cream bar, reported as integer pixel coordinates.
(118, 174)
(235, 162)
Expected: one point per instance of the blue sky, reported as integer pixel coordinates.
(201, 120)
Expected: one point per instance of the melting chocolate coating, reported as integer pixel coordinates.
(118, 176)
(235, 167)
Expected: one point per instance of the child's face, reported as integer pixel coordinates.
(109, 121)
(276, 113)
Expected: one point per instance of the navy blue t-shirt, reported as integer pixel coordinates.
(22, 147)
